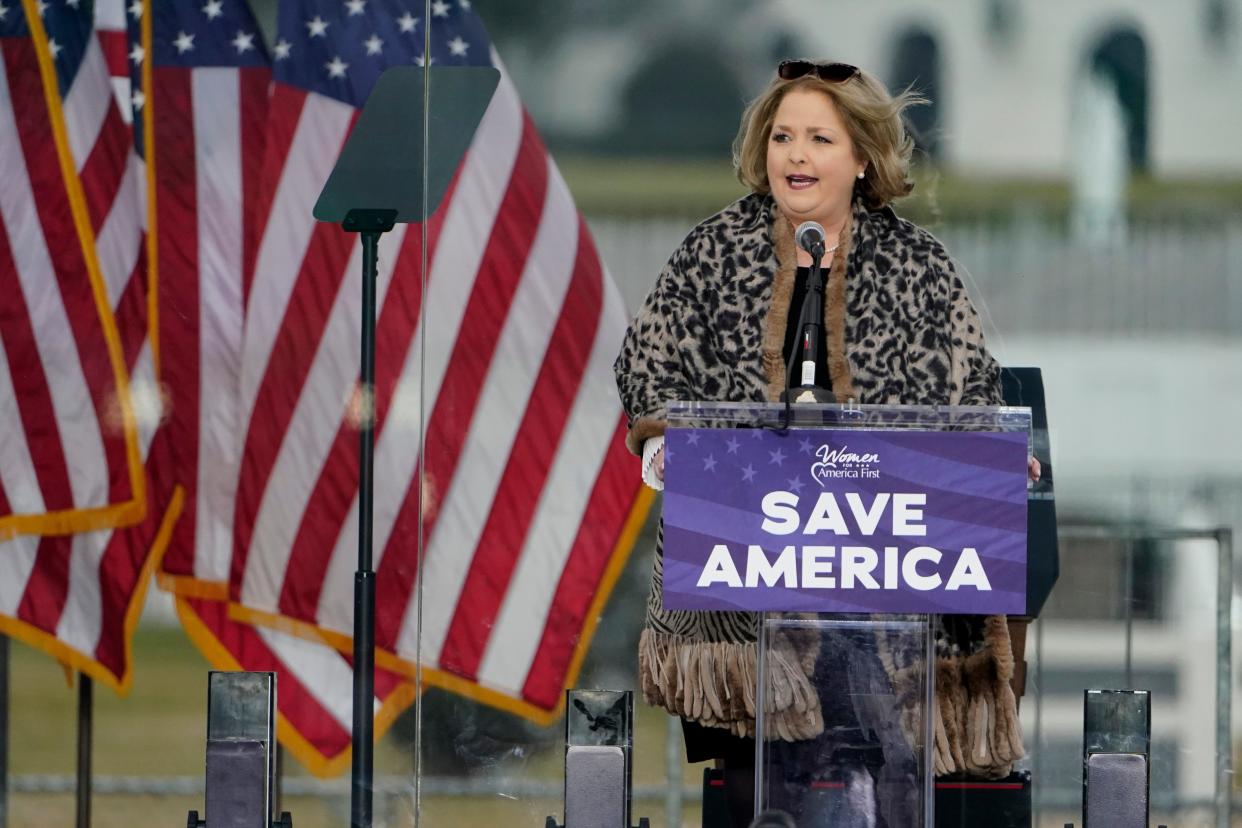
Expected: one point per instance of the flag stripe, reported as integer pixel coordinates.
(47, 585)
(254, 84)
(216, 138)
(114, 47)
(103, 171)
(279, 129)
(16, 564)
(79, 623)
(178, 318)
(120, 241)
(131, 320)
(525, 476)
(84, 108)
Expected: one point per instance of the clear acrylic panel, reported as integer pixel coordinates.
(1137, 609)
(999, 418)
(872, 764)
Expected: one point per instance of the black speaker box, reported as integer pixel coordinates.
(972, 803)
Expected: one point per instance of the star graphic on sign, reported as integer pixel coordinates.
(73, 4)
(796, 484)
(778, 457)
(692, 439)
(806, 445)
(756, 433)
(465, 4)
(135, 9)
(283, 48)
(54, 47)
(733, 444)
(374, 45)
(184, 42)
(336, 67)
(317, 27)
(4, 11)
(709, 463)
(137, 53)
(213, 9)
(137, 100)
(748, 473)
(407, 22)
(42, 7)
(356, 7)
(458, 46)
(440, 8)
(244, 41)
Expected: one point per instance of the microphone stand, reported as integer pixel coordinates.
(810, 330)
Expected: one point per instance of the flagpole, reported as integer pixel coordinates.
(4, 731)
(371, 224)
(86, 702)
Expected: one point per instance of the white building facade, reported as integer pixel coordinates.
(1007, 71)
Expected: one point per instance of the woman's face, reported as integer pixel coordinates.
(812, 165)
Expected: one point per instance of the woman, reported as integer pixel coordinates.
(824, 142)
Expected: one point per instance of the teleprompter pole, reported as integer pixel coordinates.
(371, 224)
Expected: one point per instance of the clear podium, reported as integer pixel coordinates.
(851, 532)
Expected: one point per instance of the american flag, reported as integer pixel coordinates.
(527, 488)
(73, 313)
(509, 336)
(77, 364)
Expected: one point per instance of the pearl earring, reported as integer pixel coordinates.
(862, 174)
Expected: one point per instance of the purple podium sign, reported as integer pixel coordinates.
(844, 520)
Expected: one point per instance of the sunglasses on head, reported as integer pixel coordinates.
(831, 72)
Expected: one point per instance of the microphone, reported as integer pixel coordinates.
(809, 236)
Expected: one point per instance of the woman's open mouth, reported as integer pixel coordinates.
(800, 182)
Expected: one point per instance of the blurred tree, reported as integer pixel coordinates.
(683, 101)
(530, 21)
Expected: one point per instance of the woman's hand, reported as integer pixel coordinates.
(1033, 470)
(658, 464)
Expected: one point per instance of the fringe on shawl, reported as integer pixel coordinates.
(713, 683)
(976, 715)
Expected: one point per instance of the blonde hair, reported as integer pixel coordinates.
(871, 116)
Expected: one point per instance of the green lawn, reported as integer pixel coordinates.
(699, 187)
(159, 730)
